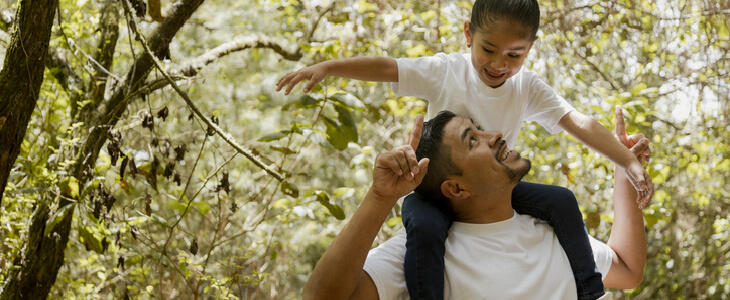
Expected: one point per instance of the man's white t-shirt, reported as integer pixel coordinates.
(519, 258)
(450, 82)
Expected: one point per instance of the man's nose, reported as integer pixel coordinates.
(493, 137)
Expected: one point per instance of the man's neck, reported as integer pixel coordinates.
(485, 210)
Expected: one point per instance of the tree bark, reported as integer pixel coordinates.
(21, 78)
(43, 254)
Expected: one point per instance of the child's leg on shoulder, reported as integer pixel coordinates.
(427, 226)
(558, 206)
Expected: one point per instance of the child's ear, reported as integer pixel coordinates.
(453, 190)
(467, 32)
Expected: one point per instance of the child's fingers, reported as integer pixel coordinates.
(637, 182)
(649, 194)
(282, 81)
(312, 81)
(620, 126)
(640, 147)
(293, 82)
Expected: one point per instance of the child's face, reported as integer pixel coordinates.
(498, 52)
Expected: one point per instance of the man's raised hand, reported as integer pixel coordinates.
(636, 173)
(398, 172)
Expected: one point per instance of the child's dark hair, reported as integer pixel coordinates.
(440, 167)
(525, 12)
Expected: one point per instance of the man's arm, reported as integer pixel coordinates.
(339, 274)
(594, 135)
(627, 238)
(367, 68)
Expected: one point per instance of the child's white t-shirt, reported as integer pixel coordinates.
(450, 82)
(519, 258)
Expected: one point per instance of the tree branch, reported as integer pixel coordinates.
(105, 56)
(226, 137)
(598, 70)
(193, 66)
(62, 70)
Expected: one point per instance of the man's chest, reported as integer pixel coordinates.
(528, 268)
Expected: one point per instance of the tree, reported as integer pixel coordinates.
(21, 78)
(131, 161)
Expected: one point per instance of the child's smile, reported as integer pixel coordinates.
(497, 53)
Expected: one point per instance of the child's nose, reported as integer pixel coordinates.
(499, 63)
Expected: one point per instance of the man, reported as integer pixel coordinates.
(491, 252)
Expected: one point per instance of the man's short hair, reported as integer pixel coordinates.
(441, 166)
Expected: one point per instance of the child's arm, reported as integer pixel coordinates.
(368, 68)
(627, 238)
(594, 135)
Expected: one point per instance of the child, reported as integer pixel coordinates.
(489, 86)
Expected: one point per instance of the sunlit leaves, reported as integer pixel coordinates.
(58, 216)
(333, 209)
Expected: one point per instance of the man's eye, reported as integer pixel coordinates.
(472, 141)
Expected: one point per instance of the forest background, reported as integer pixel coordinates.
(159, 163)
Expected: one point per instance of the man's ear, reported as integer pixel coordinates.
(453, 190)
(467, 32)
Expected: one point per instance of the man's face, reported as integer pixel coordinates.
(482, 156)
(497, 53)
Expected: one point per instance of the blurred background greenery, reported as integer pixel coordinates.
(218, 226)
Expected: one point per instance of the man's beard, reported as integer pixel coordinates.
(516, 174)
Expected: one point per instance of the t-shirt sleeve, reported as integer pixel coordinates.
(544, 105)
(384, 264)
(421, 77)
(603, 255)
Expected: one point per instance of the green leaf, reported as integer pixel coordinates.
(393, 221)
(296, 127)
(70, 187)
(284, 150)
(272, 137)
(334, 209)
(304, 101)
(289, 189)
(157, 218)
(58, 216)
(274, 255)
(90, 239)
(202, 206)
(348, 128)
(638, 88)
(335, 135)
(341, 191)
(348, 100)
(178, 206)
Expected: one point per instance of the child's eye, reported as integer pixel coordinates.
(514, 55)
(487, 50)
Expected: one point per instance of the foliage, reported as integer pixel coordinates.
(173, 211)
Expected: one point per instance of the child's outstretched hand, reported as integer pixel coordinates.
(315, 74)
(635, 172)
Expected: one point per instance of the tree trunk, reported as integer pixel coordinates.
(21, 78)
(43, 254)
